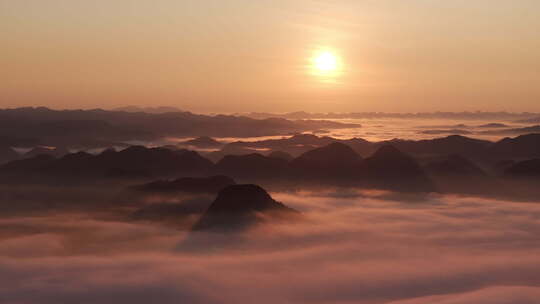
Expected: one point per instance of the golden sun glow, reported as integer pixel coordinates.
(326, 64)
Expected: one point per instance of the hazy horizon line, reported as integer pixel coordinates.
(274, 113)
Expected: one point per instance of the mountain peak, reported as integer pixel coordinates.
(455, 164)
(237, 207)
(389, 168)
(335, 160)
(388, 151)
(334, 151)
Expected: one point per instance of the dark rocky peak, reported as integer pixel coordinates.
(81, 155)
(243, 198)
(389, 168)
(390, 161)
(334, 161)
(455, 165)
(454, 144)
(388, 152)
(390, 158)
(304, 138)
(332, 153)
(239, 206)
(134, 150)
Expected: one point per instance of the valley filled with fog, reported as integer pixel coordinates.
(347, 247)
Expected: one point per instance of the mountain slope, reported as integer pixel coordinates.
(238, 207)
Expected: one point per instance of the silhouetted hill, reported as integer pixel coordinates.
(361, 146)
(56, 152)
(210, 184)
(454, 144)
(525, 169)
(334, 164)
(155, 161)
(455, 165)
(524, 146)
(239, 206)
(295, 145)
(456, 174)
(389, 168)
(298, 144)
(203, 142)
(252, 166)
(136, 161)
(281, 155)
(335, 160)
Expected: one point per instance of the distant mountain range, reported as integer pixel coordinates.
(525, 116)
(523, 146)
(133, 162)
(152, 110)
(452, 164)
(94, 128)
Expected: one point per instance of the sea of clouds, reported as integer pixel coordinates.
(348, 247)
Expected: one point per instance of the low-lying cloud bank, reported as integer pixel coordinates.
(350, 247)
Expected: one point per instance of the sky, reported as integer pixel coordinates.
(244, 55)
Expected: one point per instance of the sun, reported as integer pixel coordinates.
(326, 65)
(326, 62)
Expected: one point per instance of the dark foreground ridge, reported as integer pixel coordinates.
(238, 207)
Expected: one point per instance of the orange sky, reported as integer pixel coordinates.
(244, 55)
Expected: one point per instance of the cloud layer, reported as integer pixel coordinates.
(350, 247)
